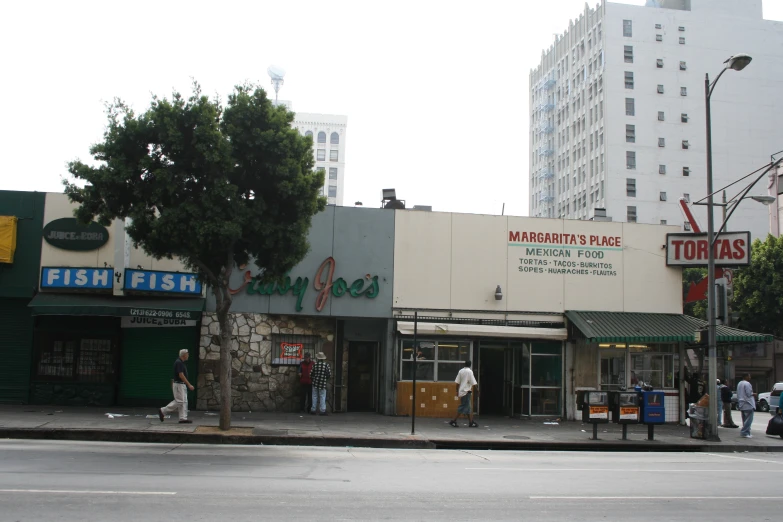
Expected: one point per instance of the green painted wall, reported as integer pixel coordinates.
(21, 278)
(18, 282)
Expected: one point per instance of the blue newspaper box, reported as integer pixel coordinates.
(653, 410)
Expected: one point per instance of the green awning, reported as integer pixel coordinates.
(628, 327)
(105, 305)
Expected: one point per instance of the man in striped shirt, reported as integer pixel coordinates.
(319, 375)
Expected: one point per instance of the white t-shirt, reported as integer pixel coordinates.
(466, 381)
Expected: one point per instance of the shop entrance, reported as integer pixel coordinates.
(494, 398)
(362, 361)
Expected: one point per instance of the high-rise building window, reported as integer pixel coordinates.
(683, 91)
(683, 66)
(684, 118)
(686, 171)
(658, 26)
(661, 169)
(332, 191)
(333, 155)
(661, 142)
(332, 173)
(630, 160)
(321, 155)
(630, 187)
(309, 133)
(322, 137)
(628, 54)
(687, 226)
(630, 133)
(628, 80)
(661, 116)
(630, 108)
(682, 40)
(663, 196)
(631, 214)
(663, 222)
(687, 198)
(334, 138)
(627, 28)
(685, 144)
(660, 89)
(658, 37)
(659, 63)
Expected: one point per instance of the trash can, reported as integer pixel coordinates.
(699, 417)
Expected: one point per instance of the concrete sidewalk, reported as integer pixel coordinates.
(361, 430)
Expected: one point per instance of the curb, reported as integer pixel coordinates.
(171, 437)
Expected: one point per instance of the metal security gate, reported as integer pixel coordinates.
(147, 362)
(16, 345)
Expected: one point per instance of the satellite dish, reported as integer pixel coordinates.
(275, 72)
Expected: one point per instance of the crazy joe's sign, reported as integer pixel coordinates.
(731, 249)
(324, 283)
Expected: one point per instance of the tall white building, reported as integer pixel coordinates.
(329, 133)
(617, 112)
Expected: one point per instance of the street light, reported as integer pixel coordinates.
(736, 63)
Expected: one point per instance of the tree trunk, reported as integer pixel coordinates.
(223, 306)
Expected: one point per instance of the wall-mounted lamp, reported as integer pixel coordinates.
(498, 293)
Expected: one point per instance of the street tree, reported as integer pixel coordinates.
(214, 185)
(758, 288)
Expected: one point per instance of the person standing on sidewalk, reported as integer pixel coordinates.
(319, 375)
(719, 399)
(747, 405)
(725, 395)
(305, 384)
(180, 386)
(465, 382)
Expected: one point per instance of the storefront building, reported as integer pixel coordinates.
(522, 298)
(20, 251)
(108, 320)
(337, 300)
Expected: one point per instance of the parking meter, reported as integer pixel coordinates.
(595, 410)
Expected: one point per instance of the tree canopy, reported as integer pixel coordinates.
(213, 185)
(758, 288)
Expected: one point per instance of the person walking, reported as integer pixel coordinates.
(180, 386)
(465, 382)
(305, 383)
(319, 375)
(725, 395)
(747, 405)
(719, 400)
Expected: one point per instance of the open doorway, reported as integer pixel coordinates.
(362, 357)
(490, 378)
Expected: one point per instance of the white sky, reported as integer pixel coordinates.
(435, 91)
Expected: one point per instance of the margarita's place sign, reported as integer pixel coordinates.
(69, 234)
(324, 283)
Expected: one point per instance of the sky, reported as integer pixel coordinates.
(436, 92)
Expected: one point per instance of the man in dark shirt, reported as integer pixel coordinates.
(180, 386)
(306, 385)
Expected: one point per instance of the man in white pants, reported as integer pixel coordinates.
(180, 386)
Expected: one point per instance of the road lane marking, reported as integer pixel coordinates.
(612, 470)
(650, 498)
(743, 458)
(87, 492)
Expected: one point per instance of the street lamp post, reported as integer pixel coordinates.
(736, 63)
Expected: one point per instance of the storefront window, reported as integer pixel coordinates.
(653, 365)
(523, 366)
(69, 358)
(547, 370)
(613, 363)
(436, 361)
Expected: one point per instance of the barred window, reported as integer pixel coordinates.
(289, 349)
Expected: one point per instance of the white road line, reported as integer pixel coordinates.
(650, 498)
(742, 458)
(87, 492)
(641, 470)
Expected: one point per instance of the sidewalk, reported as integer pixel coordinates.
(361, 430)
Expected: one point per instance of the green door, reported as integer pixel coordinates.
(16, 345)
(147, 364)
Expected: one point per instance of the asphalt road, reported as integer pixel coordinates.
(53, 481)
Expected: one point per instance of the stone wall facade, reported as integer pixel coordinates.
(256, 384)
